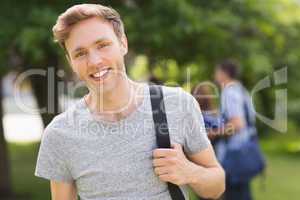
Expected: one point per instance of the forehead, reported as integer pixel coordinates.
(88, 31)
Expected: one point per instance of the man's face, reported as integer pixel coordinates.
(96, 54)
(219, 76)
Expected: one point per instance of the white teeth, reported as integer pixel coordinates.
(96, 75)
(100, 74)
(103, 72)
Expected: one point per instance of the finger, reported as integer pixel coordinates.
(159, 162)
(165, 177)
(161, 170)
(164, 152)
(176, 146)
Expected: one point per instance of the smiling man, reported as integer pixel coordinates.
(104, 147)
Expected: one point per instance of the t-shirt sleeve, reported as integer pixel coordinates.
(195, 135)
(51, 161)
(233, 104)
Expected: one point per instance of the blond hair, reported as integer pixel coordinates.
(79, 12)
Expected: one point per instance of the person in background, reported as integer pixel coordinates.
(234, 98)
(205, 93)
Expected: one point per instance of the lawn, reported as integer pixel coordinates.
(23, 159)
(282, 180)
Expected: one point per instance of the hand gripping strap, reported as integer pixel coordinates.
(162, 131)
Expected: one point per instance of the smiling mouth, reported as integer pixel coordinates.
(101, 75)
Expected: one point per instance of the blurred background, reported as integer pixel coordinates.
(178, 42)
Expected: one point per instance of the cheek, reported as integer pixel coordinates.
(114, 53)
(79, 67)
(218, 76)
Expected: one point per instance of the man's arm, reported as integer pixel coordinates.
(237, 123)
(208, 177)
(63, 190)
(201, 170)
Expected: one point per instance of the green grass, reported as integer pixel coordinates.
(23, 159)
(283, 164)
(282, 181)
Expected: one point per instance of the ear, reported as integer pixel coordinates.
(69, 61)
(124, 45)
(68, 58)
(67, 55)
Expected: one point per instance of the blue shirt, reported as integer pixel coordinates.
(234, 99)
(212, 121)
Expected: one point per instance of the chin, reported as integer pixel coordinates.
(106, 86)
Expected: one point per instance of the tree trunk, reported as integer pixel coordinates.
(5, 176)
(46, 99)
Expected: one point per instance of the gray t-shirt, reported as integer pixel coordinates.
(113, 160)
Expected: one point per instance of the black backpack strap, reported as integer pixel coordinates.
(162, 131)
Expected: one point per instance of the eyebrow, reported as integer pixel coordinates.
(96, 42)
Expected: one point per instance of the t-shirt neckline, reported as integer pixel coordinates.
(126, 119)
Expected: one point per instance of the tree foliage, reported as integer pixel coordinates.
(172, 35)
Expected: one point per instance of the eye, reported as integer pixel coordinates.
(102, 45)
(80, 54)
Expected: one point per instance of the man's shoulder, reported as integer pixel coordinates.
(61, 128)
(66, 119)
(234, 91)
(175, 92)
(235, 87)
(178, 99)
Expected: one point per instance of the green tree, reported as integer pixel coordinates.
(172, 35)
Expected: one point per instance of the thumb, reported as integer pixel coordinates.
(177, 146)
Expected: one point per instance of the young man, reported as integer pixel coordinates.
(234, 98)
(105, 147)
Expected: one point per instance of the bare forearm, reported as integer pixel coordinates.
(64, 196)
(63, 191)
(207, 182)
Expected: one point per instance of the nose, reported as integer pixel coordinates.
(94, 58)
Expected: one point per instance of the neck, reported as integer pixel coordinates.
(116, 103)
(227, 82)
